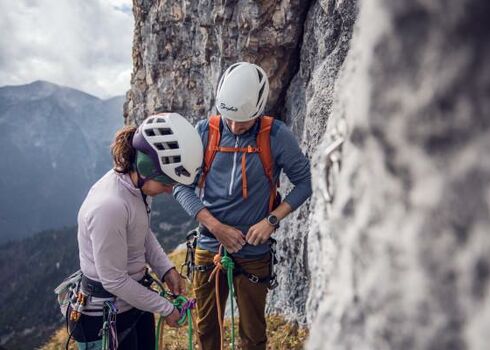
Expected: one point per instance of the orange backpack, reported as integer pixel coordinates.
(263, 148)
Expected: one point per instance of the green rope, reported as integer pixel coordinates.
(229, 265)
(178, 303)
(105, 344)
(157, 336)
(108, 326)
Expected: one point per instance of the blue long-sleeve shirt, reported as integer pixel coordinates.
(222, 193)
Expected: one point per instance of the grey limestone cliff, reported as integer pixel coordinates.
(182, 47)
(407, 244)
(390, 100)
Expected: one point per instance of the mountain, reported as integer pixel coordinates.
(55, 144)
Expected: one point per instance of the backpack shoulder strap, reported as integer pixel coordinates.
(265, 154)
(214, 137)
(264, 144)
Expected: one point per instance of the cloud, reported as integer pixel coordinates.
(82, 44)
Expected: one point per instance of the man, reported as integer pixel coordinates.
(235, 203)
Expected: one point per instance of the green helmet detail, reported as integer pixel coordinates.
(147, 169)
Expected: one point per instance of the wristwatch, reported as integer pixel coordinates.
(273, 220)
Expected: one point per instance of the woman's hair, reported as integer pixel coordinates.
(122, 149)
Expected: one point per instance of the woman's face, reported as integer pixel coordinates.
(153, 188)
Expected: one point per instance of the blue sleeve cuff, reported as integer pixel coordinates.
(188, 199)
(195, 208)
(299, 195)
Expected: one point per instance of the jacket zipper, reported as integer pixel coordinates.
(234, 167)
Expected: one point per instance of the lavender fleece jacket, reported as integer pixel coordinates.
(115, 243)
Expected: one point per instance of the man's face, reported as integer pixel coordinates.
(238, 128)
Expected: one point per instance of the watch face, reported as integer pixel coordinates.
(272, 220)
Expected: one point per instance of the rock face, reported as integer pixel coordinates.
(308, 109)
(181, 49)
(392, 251)
(406, 241)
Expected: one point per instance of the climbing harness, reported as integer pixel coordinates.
(78, 288)
(224, 263)
(270, 280)
(263, 148)
(67, 289)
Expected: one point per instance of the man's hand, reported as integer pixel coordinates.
(259, 233)
(173, 318)
(231, 238)
(174, 281)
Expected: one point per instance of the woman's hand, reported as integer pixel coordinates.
(260, 233)
(173, 318)
(174, 281)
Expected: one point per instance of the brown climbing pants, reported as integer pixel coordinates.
(250, 300)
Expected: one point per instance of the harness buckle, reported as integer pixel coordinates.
(202, 268)
(253, 278)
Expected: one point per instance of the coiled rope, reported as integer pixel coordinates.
(223, 262)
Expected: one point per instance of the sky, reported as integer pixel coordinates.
(84, 44)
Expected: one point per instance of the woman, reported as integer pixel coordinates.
(115, 240)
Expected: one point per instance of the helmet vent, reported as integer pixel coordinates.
(171, 160)
(166, 145)
(233, 67)
(260, 75)
(165, 131)
(161, 120)
(172, 145)
(150, 132)
(261, 91)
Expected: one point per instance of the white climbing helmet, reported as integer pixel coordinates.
(173, 144)
(242, 92)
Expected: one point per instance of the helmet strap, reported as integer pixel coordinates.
(148, 209)
(141, 181)
(140, 185)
